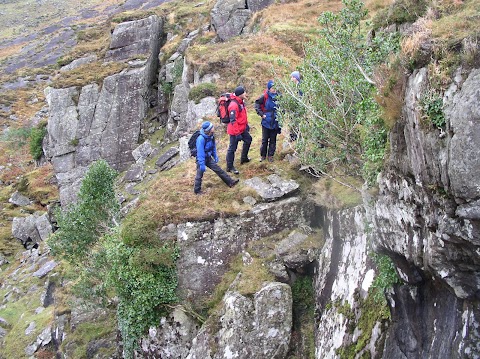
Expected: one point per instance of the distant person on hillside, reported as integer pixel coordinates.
(266, 108)
(238, 129)
(296, 78)
(207, 157)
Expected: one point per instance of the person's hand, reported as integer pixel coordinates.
(215, 159)
(202, 168)
(279, 130)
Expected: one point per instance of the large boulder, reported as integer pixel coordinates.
(32, 229)
(257, 327)
(229, 17)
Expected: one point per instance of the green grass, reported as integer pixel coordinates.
(20, 314)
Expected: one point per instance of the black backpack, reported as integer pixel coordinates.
(192, 143)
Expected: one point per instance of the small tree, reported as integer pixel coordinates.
(335, 116)
(83, 223)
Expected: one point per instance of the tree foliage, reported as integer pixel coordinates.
(94, 213)
(140, 274)
(335, 120)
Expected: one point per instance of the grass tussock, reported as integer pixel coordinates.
(86, 74)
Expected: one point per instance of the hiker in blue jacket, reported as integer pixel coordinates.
(207, 157)
(266, 108)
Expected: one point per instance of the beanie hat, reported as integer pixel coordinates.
(296, 75)
(207, 126)
(270, 84)
(239, 90)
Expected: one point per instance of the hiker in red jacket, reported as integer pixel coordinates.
(238, 129)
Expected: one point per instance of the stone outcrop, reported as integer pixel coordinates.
(275, 188)
(32, 229)
(208, 247)
(94, 122)
(172, 339)
(229, 18)
(248, 328)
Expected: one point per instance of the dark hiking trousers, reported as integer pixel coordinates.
(269, 142)
(247, 141)
(210, 163)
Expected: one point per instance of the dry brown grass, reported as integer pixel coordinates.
(419, 34)
(390, 79)
(10, 50)
(40, 186)
(86, 74)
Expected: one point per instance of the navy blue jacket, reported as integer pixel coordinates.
(270, 110)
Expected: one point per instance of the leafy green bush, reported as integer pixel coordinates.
(202, 90)
(432, 108)
(143, 289)
(36, 138)
(83, 223)
(386, 276)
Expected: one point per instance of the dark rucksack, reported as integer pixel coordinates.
(192, 143)
(264, 101)
(222, 107)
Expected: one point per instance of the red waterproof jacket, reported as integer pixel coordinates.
(238, 116)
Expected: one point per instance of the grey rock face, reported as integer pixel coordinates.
(79, 62)
(229, 18)
(172, 339)
(167, 156)
(207, 248)
(90, 123)
(258, 328)
(421, 224)
(464, 117)
(291, 253)
(426, 217)
(342, 272)
(134, 38)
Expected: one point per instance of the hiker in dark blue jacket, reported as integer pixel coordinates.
(266, 107)
(207, 157)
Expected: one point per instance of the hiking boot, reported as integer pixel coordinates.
(270, 158)
(198, 193)
(233, 183)
(244, 160)
(263, 158)
(233, 170)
